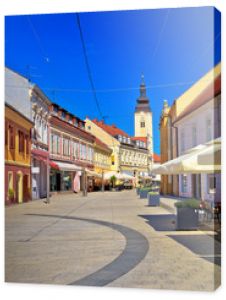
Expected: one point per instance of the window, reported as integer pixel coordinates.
(208, 130)
(6, 134)
(70, 119)
(55, 143)
(90, 154)
(83, 151)
(76, 123)
(27, 144)
(112, 160)
(63, 115)
(211, 183)
(142, 124)
(184, 183)
(76, 150)
(66, 147)
(11, 138)
(194, 136)
(21, 141)
(55, 109)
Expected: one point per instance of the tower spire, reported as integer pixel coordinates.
(143, 101)
(142, 79)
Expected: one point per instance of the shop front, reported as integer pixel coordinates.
(61, 180)
(64, 176)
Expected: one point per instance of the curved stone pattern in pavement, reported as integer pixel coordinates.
(135, 250)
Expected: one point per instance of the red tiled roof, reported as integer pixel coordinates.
(156, 157)
(139, 138)
(111, 129)
(212, 90)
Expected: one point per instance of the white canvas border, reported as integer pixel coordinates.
(27, 291)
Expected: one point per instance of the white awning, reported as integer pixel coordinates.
(93, 173)
(201, 159)
(67, 166)
(210, 155)
(109, 174)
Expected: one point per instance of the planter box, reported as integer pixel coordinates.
(187, 218)
(144, 194)
(153, 200)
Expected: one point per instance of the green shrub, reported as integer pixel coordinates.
(153, 193)
(113, 180)
(145, 189)
(190, 203)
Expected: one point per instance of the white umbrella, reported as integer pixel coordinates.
(109, 174)
(190, 162)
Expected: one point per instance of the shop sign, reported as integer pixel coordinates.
(35, 170)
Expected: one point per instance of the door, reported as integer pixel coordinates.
(196, 186)
(26, 189)
(58, 182)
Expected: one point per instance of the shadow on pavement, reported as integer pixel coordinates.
(161, 222)
(202, 245)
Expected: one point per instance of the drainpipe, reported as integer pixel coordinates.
(102, 188)
(47, 167)
(177, 152)
(176, 139)
(84, 183)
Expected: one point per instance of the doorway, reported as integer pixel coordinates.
(196, 185)
(58, 182)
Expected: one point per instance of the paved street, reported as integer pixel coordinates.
(110, 238)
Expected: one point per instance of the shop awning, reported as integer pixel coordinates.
(118, 175)
(211, 155)
(201, 159)
(93, 173)
(66, 166)
(38, 153)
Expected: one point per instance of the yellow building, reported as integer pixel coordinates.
(129, 155)
(17, 156)
(98, 129)
(102, 157)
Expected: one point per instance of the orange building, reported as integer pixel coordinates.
(17, 156)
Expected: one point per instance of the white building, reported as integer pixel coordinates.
(200, 123)
(40, 113)
(28, 99)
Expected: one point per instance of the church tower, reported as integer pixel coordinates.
(143, 119)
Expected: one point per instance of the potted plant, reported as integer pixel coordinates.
(144, 192)
(187, 214)
(11, 196)
(113, 181)
(153, 198)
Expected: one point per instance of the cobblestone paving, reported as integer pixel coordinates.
(64, 248)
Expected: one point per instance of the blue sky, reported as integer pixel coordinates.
(172, 47)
